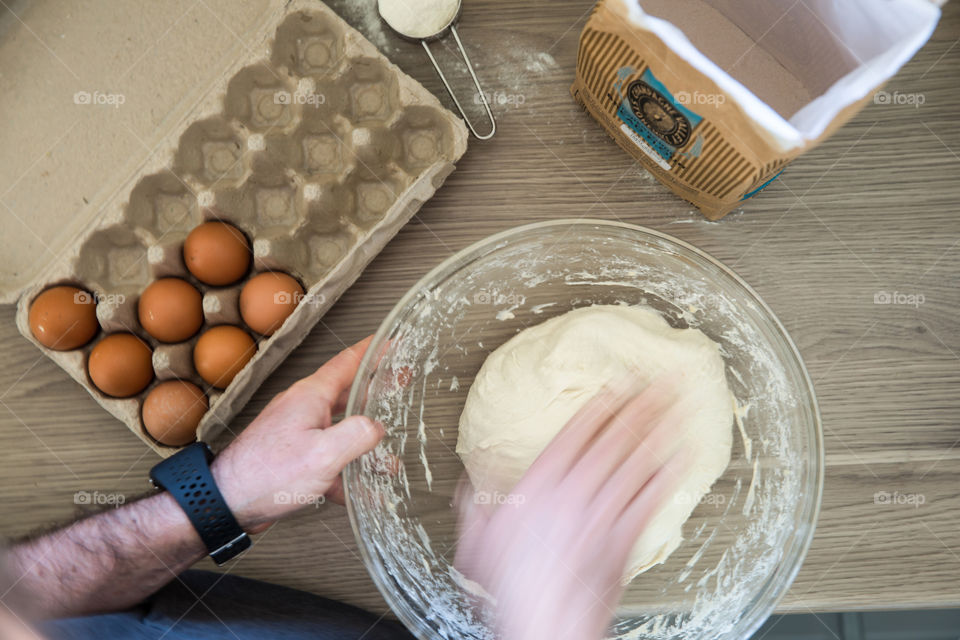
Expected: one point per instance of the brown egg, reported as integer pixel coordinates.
(217, 253)
(64, 318)
(173, 410)
(171, 310)
(267, 299)
(120, 365)
(221, 352)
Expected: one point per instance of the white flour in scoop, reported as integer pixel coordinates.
(418, 18)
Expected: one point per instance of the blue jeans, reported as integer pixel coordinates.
(202, 605)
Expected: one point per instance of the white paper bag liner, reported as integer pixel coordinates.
(883, 36)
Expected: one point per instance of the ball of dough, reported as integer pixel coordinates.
(533, 384)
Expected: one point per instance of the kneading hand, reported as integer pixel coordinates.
(553, 553)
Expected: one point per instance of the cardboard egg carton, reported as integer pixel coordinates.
(314, 145)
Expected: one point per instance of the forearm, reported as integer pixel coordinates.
(106, 562)
(116, 559)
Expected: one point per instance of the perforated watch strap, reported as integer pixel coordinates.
(186, 476)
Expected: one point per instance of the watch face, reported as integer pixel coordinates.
(658, 113)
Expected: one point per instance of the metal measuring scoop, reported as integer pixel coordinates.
(424, 40)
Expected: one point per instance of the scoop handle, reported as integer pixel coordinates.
(476, 83)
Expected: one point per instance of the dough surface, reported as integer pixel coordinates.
(529, 388)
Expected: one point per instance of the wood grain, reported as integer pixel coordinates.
(874, 209)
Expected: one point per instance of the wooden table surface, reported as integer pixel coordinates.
(874, 209)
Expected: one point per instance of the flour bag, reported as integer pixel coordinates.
(715, 97)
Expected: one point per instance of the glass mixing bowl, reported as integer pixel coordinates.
(745, 540)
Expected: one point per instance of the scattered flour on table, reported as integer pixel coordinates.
(509, 73)
(507, 314)
(518, 67)
(364, 16)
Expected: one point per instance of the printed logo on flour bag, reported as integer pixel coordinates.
(657, 112)
(652, 117)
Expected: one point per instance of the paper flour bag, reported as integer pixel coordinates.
(715, 97)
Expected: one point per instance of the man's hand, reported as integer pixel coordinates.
(116, 558)
(552, 555)
(291, 455)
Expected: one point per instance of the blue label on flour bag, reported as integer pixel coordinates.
(750, 194)
(652, 117)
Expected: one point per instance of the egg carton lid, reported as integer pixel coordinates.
(89, 93)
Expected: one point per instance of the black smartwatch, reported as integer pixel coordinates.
(186, 476)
